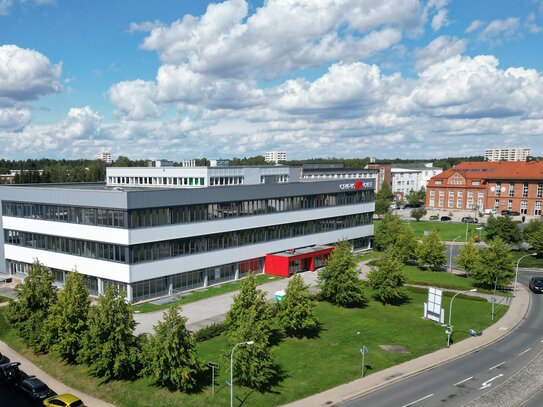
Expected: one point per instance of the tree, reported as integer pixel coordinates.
(296, 309)
(417, 197)
(387, 232)
(406, 245)
(495, 265)
(387, 279)
(468, 257)
(431, 251)
(339, 281)
(418, 213)
(66, 324)
(249, 320)
(504, 228)
(533, 234)
(171, 355)
(34, 296)
(383, 199)
(110, 347)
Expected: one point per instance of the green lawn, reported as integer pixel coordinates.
(310, 366)
(528, 261)
(3, 299)
(447, 230)
(201, 294)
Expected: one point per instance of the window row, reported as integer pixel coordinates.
(180, 247)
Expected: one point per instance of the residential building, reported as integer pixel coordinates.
(411, 177)
(105, 156)
(508, 154)
(501, 185)
(158, 231)
(275, 156)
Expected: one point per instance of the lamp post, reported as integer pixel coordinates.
(450, 327)
(232, 370)
(450, 253)
(516, 272)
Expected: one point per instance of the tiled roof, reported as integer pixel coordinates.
(499, 170)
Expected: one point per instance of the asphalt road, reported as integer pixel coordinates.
(468, 378)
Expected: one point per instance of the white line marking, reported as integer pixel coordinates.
(465, 380)
(416, 401)
(523, 352)
(488, 382)
(498, 365)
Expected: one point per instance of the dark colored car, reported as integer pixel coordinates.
(35, 389)
(445, 218)
(10, 372)
(536, 284)
(507, 212)
(469, 219)
(4, 359)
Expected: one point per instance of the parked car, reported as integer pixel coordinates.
(469, 219)
(445, 218)
(4, 359)
(64, 400)
(10, 373)
(508, 212)
(34, 389)
(536, 284)
(491, 211)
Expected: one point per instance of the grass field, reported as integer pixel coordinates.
(201, 294)
(529, 261)
(447, 230)
(310, 366)
(3, 299)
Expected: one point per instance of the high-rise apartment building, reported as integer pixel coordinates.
(507, 154)
(275, 156)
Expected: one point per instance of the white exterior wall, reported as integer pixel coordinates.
(507, 154)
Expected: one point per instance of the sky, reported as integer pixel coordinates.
(175, 80)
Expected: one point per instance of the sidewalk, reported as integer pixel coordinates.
(359, 387)
(59, 387)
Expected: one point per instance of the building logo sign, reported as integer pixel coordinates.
(356, 185)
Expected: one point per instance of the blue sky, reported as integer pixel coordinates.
(351, 78)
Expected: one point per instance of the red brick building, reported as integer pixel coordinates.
(516, 186)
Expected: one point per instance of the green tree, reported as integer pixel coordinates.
(296, 309)
(387, 279)
(66, 324)
(383, 199)
(468, 257)
(34, 296)
(533, 234)
(503, 227)
(431, 251)
(418, 213)
(110, 347)
(387, 231)
(495, 265)
(171, 355)
(339, 281)
(406, 245)
(249, 320)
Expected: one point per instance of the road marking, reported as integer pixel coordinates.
(488, 383)
(498, 365)
(527, 350)
(416, 401)
(465, 380)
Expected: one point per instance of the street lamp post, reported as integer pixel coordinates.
(232, 370)
(450, 327)
(450, 253)
(516, 272)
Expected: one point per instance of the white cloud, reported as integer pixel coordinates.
(26, 74)
(5, 5)
(497, 30)
(12, 119)
(80, 123)
(440, 49)
(440, 20)
(474, 26)
(134, 100)
(531, 24)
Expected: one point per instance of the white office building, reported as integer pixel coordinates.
(275, 156)
(407, 177)
(507, 154)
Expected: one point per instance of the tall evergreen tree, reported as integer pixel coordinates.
(110, 347)
(171, 355)
(296, 309)
(387, 279)
(431, 251)
(339, 281)
(34, 296)
(249, 320)
(67, 322)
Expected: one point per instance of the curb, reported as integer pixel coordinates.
(393, 378)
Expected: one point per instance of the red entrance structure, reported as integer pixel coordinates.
(293, 261)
